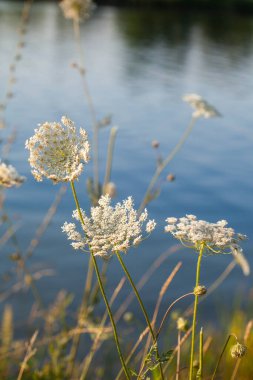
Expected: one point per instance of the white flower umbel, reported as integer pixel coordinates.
(215, 237)
(76, 9)
(201, 107)
(58, 152)
(109, 229)
(9, 176)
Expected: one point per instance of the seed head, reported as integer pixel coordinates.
(9, 176)
(200, 106)
(200, 290)
(58, 152)
(76, 9)
(238, 350)
(108, 229)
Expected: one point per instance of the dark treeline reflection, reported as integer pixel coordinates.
(145, 29)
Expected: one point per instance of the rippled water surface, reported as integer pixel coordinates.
(139, 64)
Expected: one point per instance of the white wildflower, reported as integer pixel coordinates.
(76, 9)
(58, 152)
(214, 236)
(200, 106)
(108, 229)
(9, 176)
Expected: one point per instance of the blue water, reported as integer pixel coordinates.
(139, 64)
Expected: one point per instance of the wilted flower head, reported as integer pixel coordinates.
(9, 176)
(108, 229)
(238, 350)
(58, 152)
(216, 237)
(200, 106)
(76, 9)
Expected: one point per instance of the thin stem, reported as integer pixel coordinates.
(195, 312)
(222, 352)
(169, 309)
(178, 354)
(111, 144)
(102, 288)
(110, 315)
(76, 27)
(167, 160)
(141, 304)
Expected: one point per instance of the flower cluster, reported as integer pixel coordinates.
(108, 229)
(9, 176)
(200, 106)
(238, 350)
(76, 9)
(58, 152)
(216, 237)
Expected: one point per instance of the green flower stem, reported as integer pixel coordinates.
(102, 288)
(195, 311)
(110, 315)
(141, 305)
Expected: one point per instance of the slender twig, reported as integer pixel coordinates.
(111, 144)
(76, 27)
(167, 160)
(169, 309)
(195, 312)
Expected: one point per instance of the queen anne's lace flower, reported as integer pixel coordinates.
(76, 9)
(200, 106)
(9, 176)
(108, 229)
(58, 152)
(216, 237)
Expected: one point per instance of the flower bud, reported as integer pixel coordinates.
(200, 290)
(238, 350)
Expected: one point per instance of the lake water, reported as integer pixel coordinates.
(139, 64)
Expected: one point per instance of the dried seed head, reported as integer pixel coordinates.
(76, 9)
(155, 144)
(200, 290)
(238, 350)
